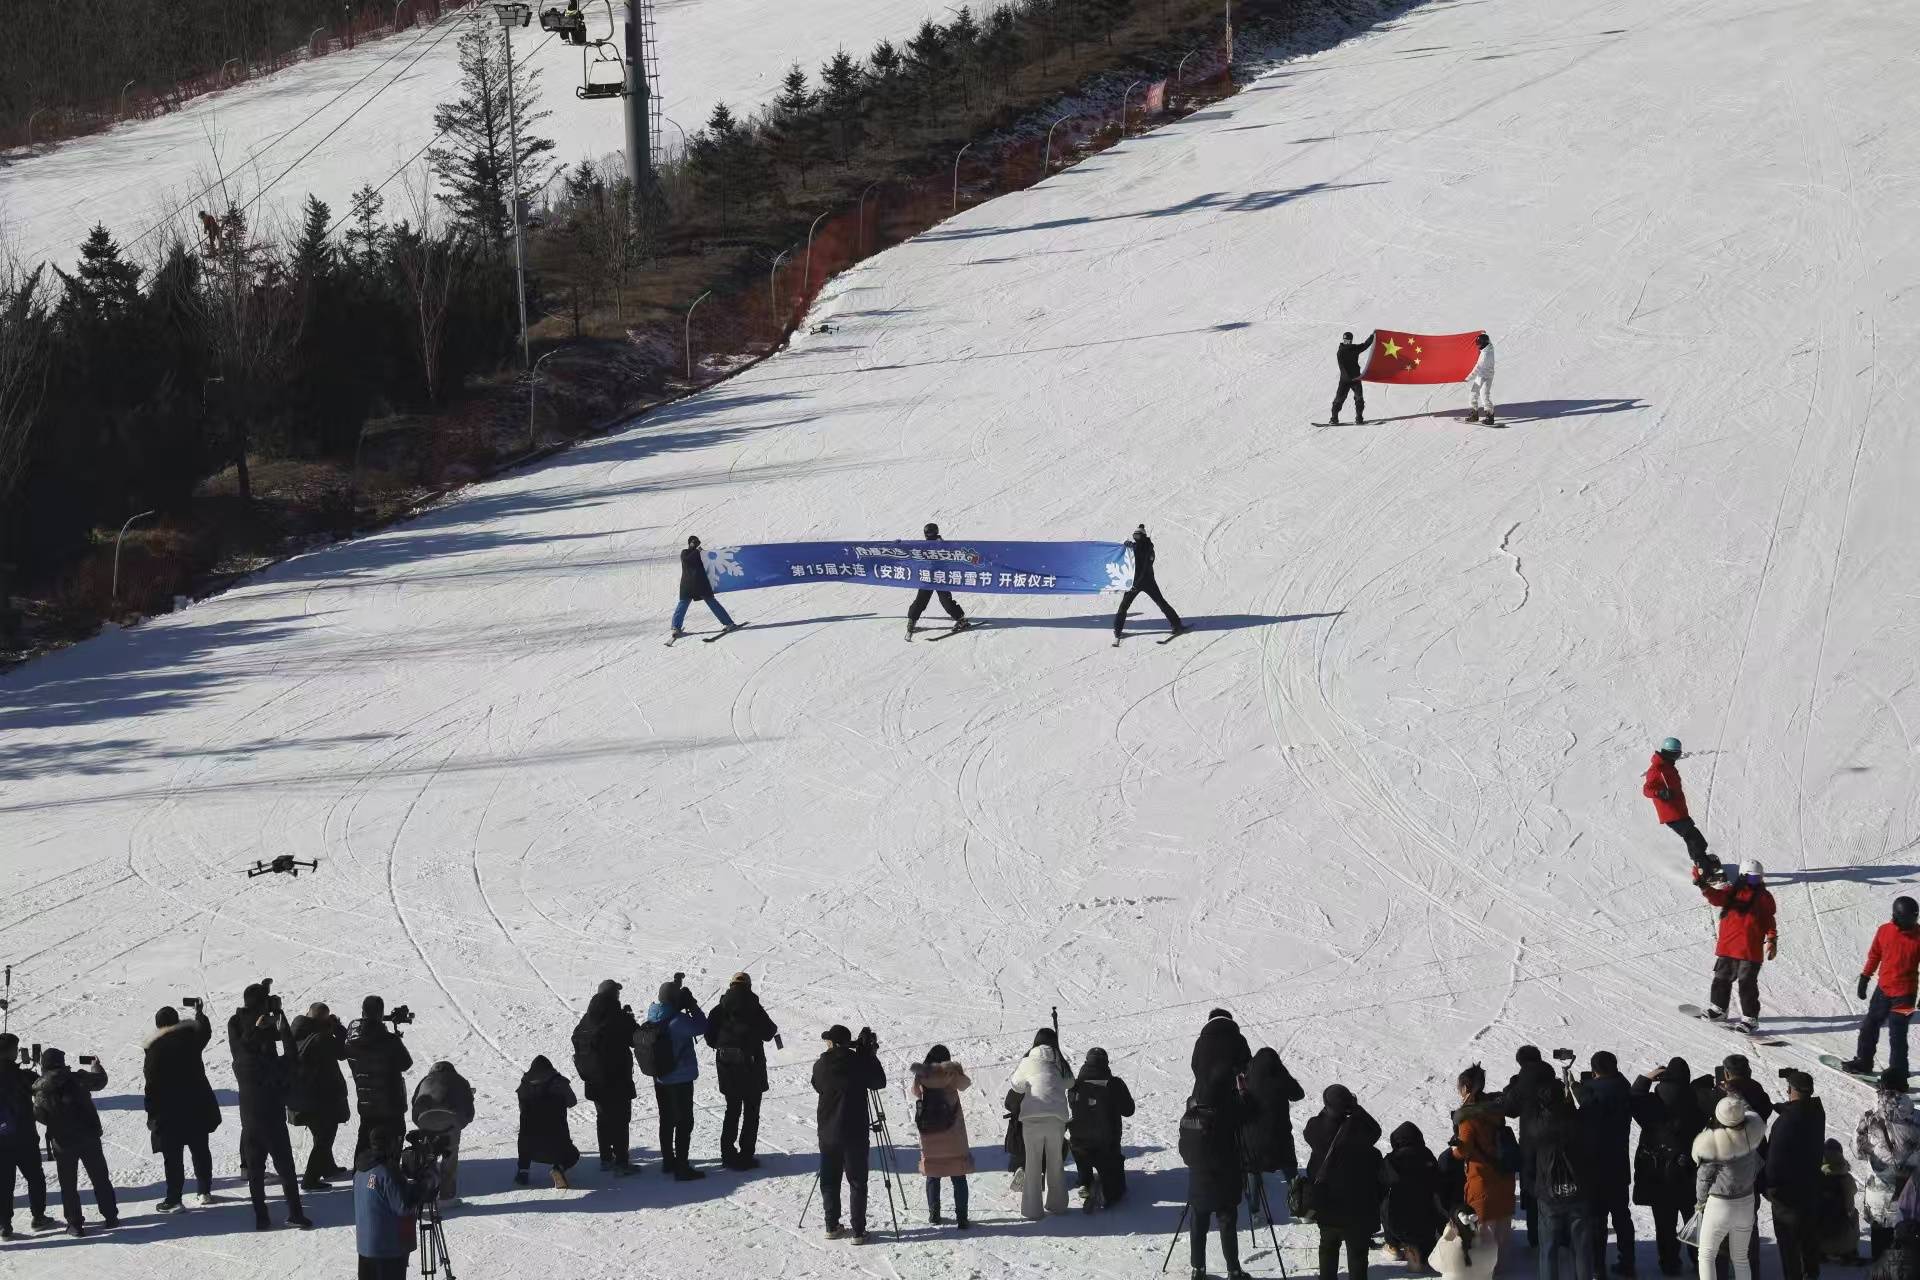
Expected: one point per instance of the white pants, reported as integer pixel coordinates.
(1731, 1221)
(1475, 386)
(1046, 1156)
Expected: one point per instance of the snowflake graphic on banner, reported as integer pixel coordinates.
(724, 563)
(1120, 573)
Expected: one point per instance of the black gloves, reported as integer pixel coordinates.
(1863, 986)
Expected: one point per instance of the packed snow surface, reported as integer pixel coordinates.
(1384, 803)
(327, 126)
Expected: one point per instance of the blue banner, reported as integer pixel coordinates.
(1000, 568)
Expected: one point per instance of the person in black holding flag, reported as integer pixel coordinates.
(1349, 357)
(696, 585)
(1144, 581)
(922, 597)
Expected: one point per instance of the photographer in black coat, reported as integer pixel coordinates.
(181, 1109)
(1268, 1135)
(1210, 1148)
(603, 1059)
(1606, 1114)
(545, 1096)
(1669, 1116)
(1343, 1175)
(737, 1031)
(1795, 1148)
(1563, 1178)
(63, 1104)
(1520, 1101)
(20, 1146)
(842, 1076)
(253, 999)
(1219, 1045)
(268, 1056)
(380, 1061)
(317, 1097)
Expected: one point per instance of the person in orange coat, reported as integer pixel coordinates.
(1662, 786)
(1747, 937)
(1479, 1127)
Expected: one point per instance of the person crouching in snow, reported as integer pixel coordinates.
(1480, 382)
(1747, 937)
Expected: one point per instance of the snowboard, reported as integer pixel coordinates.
(724, 631)
(1760, 1038)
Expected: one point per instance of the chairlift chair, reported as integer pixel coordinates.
(570, 25)
(603, 72)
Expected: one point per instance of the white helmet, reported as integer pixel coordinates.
(1752, 869)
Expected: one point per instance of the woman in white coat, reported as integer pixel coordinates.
(1888, 1140)
(1727, 1159)
(1042, 1080)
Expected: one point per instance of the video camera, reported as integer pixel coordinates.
(400, 1017)
(867, 1041)
(420, 1164)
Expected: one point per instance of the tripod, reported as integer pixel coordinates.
(889, 1169)
(433, 1241)
(1258, 1204)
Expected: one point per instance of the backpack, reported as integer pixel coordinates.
(1506, 1152)
(935, 1110)
(1563, 1184)
(653, 1049)
(1202, 1131)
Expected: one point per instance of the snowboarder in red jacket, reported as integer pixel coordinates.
(1662, 786)
(1895, 953)
(1747, 937)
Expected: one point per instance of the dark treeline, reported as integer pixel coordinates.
(63, 54)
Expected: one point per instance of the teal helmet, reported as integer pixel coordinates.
(1670, 747)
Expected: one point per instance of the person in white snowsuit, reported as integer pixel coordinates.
(1727, 1157)
(1043, 1080)
(1888, 1139)
(1480, 382)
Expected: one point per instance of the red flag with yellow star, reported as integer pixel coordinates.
(1421, 357)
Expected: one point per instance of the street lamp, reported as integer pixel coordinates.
(773, 283)
(513, 14)
(115, 595)
(1046, 160)
(533, 393)
(956, 176)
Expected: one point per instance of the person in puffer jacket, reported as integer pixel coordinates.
(1410, 1211)
(443, 1106)
(941, 1122)
(1100, 1102)
(1727, 1160)
(1888, 1141)
(1042, 1080)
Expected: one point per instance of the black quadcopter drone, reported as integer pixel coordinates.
(286, 864)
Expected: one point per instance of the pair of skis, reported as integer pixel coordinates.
(724, 631)
(1171, 636)
(965, 624)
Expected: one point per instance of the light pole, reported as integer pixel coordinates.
(861, 235)
(533, 392)
(30, 119)
(773, 282)
(683, 134)
(123, 98)
(1046, 160)
(310, 40)
(513, 14)
(956, 176)
(114, 598)
(806, 277)
(1180, 71)
(696, 302)
(1124, 98)
(223, 69)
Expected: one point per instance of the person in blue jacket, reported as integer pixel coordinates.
(383, 1214)
(673, 1090)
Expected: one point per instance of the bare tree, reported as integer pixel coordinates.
(430, 257)
(23, 368)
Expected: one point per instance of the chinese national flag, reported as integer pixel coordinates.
(1421, 357)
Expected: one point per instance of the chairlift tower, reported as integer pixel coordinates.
(643, 83)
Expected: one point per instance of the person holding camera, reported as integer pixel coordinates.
(268, 1064)
(317, 1095)
(1520, 1100)
(678, 1015)
(1669, 1115)
(380, 1061)
(1268, 1135)
(19, 1138)
(1098, 1104)
(1218, 1045)
(842, 1076)
(1343, 1176)
(383, 1209)
(1210, 1147)
(1606, 1113)
(737, 1031)
(545, 1096)
(442, 1107)
(1563, 1182)
(181, 1109)
(1795, 1148)
(1726, 1156)
(941, 1122)
(603, 1055)
(253, 999)
(63, 1104)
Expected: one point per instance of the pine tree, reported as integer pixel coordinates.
(314, 255)
(843, 99)
(1109, 14)
(887, 80)
(1001, 46)
(728, 165)
(963, 48)
(365, 235)
(930, 60)
(103, 284)
(795, 129)
(476, 165)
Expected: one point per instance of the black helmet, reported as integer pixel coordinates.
(931, 531)
(1483, 341)
(1906, 912)
(693, 540)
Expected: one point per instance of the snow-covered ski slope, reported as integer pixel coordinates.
(364, 113)
(1383, 804)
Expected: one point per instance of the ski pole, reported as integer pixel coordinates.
(6, 1003)
(811, 1188)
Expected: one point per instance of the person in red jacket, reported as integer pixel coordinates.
(1895, 953)
(1747, 937)
(1662, 786)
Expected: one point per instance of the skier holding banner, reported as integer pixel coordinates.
(1144, 581)
(696, 585)
(924, 595)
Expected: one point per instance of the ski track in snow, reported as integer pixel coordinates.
(1383, 803)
